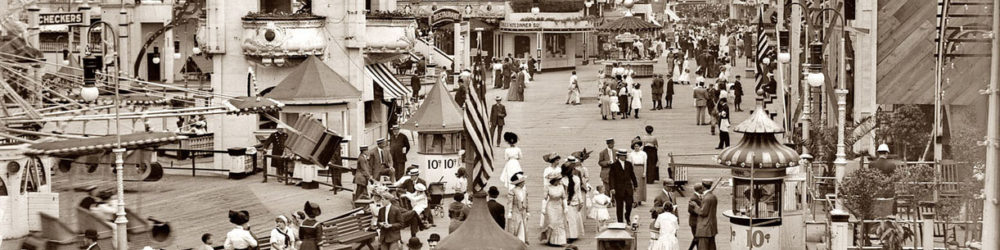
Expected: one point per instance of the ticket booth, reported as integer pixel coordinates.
(438, 124)
(758, 164)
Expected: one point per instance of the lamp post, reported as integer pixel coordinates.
(89, 93)
(840, 162)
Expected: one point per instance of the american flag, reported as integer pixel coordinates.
(477, 128)
(764, 50)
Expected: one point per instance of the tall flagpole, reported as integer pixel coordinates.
(991, 210)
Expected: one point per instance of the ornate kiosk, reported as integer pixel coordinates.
(623, 33)
(439, 126)
(758, 165)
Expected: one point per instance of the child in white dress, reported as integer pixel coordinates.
(599, 208)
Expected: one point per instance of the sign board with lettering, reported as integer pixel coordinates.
(520, 25)
(760, 238)
(434, 168)
(445, 15)
(60, 18)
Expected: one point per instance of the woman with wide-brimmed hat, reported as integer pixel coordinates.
(554, 165)
(554, 207)
(310, 231)
(518, 215)
(513, 156)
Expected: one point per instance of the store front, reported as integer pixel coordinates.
(556, 44)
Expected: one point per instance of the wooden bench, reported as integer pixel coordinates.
(352, 228)
(264, 243)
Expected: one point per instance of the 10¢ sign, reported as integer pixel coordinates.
(759, 238)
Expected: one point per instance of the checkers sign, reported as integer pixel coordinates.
(60, 18)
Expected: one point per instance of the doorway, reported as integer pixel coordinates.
(522, 46)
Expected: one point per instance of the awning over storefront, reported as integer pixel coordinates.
(381, 75)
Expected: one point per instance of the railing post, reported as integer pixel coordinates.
(927, 230)
(840, 233)
(192, 164)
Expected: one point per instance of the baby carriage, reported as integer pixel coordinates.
(437, 192)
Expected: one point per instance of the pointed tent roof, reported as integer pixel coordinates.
(313, 82)
(439, 112)
(480, 232)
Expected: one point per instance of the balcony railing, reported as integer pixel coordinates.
(277, 37)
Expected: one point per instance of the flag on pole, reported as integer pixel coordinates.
(477, 128)
(764, 50)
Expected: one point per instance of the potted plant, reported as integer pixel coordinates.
(893, 234)
(860, 190)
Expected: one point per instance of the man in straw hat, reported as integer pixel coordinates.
(380, 160)
(497, 114)
(363, 175)
(622, 183)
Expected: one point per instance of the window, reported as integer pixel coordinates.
(276, 6)
(555, 45)
(443, 143)
(765, 202)
(373, 111)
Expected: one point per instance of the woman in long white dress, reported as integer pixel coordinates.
(635, 100)
(518, 215)
(513, 155)
(575, 200)
(554, 207)
(666, 230)
(686, 71)
(638, 159)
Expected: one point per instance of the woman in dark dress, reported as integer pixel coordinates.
(310, 231)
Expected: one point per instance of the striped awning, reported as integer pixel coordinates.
(759, 150)
(392, 88)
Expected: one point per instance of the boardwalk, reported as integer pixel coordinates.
(197, 205)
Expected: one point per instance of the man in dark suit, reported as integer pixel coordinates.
(669, 92)
(656, 89)
(415, 85)
(496, 209)
(712, 95)
(391, 218)
(665, 196)
(623, 184)
(707, 223)
(737, 94)
(277, 143)
(381, 161)
(607, 157)
(497, 114)
(693, 214)
(362, 174)
(399, 146)
(701, 101)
